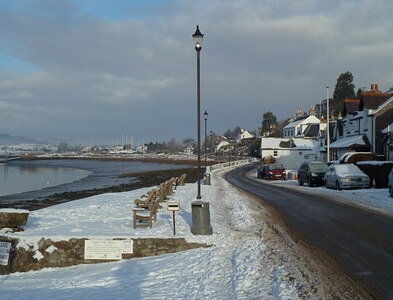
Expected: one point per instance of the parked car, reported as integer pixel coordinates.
(312, 172)
(272, 171)
(390, 183)
(346, 176)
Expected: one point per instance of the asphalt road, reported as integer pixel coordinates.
(359, 240)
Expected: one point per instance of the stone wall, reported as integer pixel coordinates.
(49, 254)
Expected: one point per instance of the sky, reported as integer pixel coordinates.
(92, 72)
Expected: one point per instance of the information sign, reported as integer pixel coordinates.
(5, 248)
(103, 249)
(128, 246)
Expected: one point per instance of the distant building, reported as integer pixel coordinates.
(244, 135)
(291, 152)
(302, 126)
(362, 128)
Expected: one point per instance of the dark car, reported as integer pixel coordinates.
(271, 172)
(312, 172)
(390, 184)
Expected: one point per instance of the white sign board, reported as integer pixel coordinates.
(128, 246)
(5, 248)
(103, 249)
(173, 206)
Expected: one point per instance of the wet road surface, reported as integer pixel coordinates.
(360, 241)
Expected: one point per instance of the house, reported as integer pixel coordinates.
(387, 142)
(291, 152)
(362, 129)
(351, 106)
(243, 135)
(300, 126)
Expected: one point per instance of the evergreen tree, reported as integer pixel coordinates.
(344, 89)
(269, 123)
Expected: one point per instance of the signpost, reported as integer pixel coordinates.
(173, 207)
(5, 248)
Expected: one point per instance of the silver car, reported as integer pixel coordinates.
(346, 176)
(390, 184)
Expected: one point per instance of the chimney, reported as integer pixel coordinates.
(312, 110)
(298, 113)
(376, 87)
(372, 87)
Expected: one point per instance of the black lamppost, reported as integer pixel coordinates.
(198, 40)
(205, 118)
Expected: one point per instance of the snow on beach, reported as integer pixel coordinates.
(239, 265)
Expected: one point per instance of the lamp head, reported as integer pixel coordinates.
(198, 39)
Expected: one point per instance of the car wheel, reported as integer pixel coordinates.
(300, 181)
(338, 187)
(310, 184)
(391, 191)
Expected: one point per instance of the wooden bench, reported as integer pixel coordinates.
(181, 179)
(146, 216)
(145, 200)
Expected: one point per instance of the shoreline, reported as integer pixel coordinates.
(164, 160)
(152, 178)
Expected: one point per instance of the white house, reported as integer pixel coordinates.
(291, 152)
(244, 134)
(362, 131)
(298, 127)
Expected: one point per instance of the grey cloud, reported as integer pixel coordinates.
(137, 76)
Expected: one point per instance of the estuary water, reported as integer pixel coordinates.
(27, 180)
(16, 179)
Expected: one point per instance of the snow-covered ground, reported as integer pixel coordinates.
(240, 265)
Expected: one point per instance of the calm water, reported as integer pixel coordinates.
(27, 180)
(19, 179)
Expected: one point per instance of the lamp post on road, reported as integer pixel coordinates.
(198, 40)
(327, 125)
(205, 115)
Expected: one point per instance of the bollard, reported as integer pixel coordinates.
(207, 179)
(201, 218)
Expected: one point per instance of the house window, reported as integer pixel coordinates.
(275, 153)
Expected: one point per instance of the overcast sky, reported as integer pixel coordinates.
(84, 71)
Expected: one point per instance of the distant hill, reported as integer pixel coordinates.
(6, 139)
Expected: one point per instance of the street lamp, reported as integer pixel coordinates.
(198, 40)
(205, 118)
(327, 125)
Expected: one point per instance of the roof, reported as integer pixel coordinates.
(307, 120)
(350, 141)
(351, 106)
(372, 100)
(384, 105)
(282, 143)
(312, 130)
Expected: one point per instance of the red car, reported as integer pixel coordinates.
(271, 172)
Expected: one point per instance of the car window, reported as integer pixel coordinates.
(276, 167)
(318, 167)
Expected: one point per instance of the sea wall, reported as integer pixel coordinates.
(46, 253)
